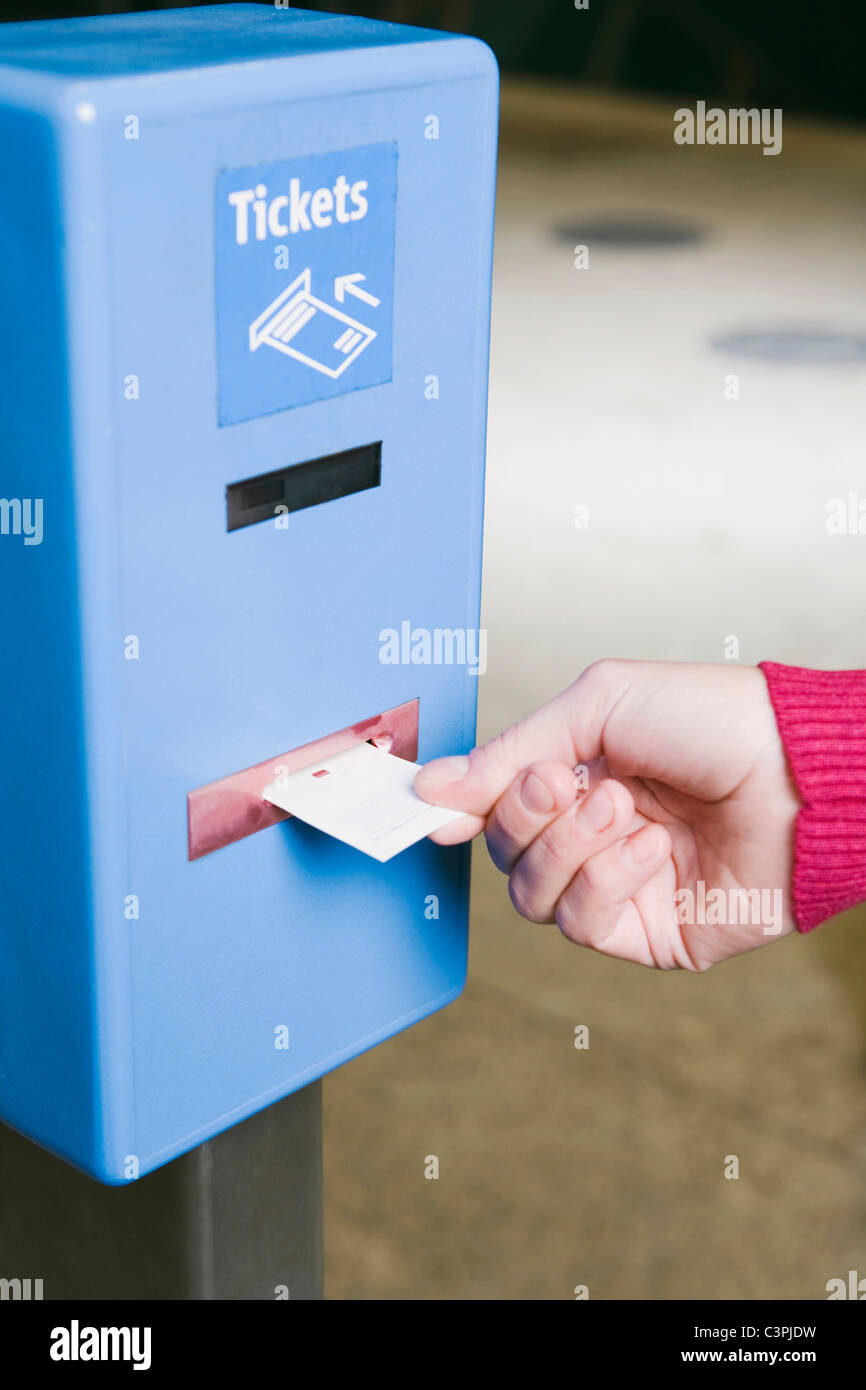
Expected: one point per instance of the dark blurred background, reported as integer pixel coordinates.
(801, 55)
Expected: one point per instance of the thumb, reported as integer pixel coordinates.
(475, 783)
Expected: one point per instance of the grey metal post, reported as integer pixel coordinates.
(240, 1217)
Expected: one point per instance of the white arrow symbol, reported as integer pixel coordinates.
(348, 284)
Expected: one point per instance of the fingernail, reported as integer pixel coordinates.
(441, 773)
(598, 810)
(644, 845)
(535, 795)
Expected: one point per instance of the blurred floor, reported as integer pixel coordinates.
(707, 516)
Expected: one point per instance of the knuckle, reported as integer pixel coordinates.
(521, 898)
(497, 847)
(596, 874)
(604, 671)
(555, 849)
(507, 823)
(606, 678)
(567, 916)
(494, 850)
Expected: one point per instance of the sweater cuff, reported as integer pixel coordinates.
(822, 721)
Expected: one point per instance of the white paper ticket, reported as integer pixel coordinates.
(363, 797)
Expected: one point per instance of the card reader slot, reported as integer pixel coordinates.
(221, 812)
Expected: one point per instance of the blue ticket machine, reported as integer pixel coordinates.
(245, 261)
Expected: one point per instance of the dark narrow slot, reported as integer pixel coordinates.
(303, 485)
(260, 494)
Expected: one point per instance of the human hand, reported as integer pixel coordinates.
(690, 806)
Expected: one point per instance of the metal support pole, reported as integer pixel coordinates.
(240, 1217)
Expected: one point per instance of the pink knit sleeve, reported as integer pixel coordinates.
(822, 720)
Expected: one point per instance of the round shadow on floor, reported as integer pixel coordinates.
(626, 234)
(795, 347)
